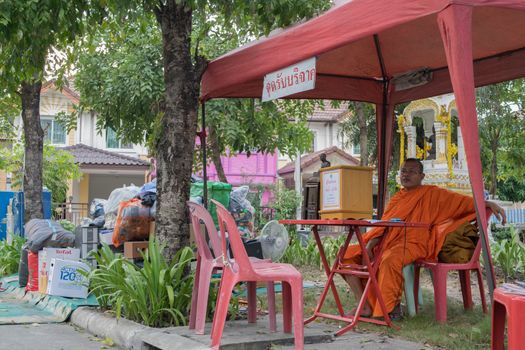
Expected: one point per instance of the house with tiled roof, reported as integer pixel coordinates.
(105, 161)
(103, 171)
(324, 123)
(311, 163)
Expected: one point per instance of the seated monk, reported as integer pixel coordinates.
(443, 210)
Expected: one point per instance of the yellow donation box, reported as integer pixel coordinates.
(346, 192)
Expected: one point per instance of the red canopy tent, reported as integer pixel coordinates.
(363, 45)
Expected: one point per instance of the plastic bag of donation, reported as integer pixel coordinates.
(242, 211)
(117, 196)
(132, 222)
(47, 233)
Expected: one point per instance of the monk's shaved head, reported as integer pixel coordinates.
(411, 174)
(416, 161)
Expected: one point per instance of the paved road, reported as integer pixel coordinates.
(51, 336)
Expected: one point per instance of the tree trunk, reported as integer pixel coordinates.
(34, 148)
(363, 132)
(215, 154)
(175, 145)
(493, 168)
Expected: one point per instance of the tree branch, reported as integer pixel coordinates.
(200, 66)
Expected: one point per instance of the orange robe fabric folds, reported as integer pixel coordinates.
(442, 209)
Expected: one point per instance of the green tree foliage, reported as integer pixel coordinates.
(502, 132)
(120, 76)
(512, 189)
(124, 84)
(58, 169)
(245, 125)
(30, 32)
(359, 128)
(184, 25)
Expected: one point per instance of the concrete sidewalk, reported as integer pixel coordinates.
(237, 335)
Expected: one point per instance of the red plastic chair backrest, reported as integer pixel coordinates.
(227, 224)
(199, 214)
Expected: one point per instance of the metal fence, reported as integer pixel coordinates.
(73, 212)
(514, 216)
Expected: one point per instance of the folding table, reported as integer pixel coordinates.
(368, 269)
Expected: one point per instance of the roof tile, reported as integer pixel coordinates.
(87, 155)
(309, 159)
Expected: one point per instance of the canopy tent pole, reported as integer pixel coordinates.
(381, 127)
(455, 24)
(202, 137)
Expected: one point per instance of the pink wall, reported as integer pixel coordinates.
(240, 170)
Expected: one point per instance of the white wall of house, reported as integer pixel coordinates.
(52, 103)
(326, 134)
(88, 134)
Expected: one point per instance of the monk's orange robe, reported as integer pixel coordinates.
(442, 209)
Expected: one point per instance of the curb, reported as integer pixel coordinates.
(128, 334)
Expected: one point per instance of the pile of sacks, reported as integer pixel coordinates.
(48, 263)
(126, 215)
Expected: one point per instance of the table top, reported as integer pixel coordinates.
(361, 223)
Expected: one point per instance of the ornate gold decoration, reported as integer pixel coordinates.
(419, 105)
(420, 153)
(451, 106)
(445, 118)
(401, 131)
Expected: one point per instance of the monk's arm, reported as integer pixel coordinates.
(498, 211)
(371, 244)
(460, 205)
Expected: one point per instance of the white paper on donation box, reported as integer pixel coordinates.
(66, 280)
(44, 260)
(331, 190)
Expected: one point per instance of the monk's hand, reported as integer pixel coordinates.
(370, 247)
(498, 211)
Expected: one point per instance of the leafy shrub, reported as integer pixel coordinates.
(10, 255)
(286, 203)
(501, 233)
(58, 168)
(509, 255)
(158, 294)
(298, 255)
(309, 255)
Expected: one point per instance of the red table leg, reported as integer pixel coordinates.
(371, 272)
(330, 283)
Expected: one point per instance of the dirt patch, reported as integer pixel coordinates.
(318, 277)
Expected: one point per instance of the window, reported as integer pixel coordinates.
(54, 132)
(357, 148)
(112, 141)
(313, 147)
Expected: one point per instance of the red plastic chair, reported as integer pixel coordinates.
(207, 265)
(512, 307)
(439, 279)
(242, 269)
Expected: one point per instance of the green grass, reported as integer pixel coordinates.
(464, 330)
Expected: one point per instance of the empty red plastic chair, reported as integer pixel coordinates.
(207, 265)
(242, 269)
(439, 279)
(511, 307)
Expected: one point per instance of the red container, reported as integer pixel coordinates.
(511, 307)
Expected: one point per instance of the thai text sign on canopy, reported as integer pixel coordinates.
(290, 80)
